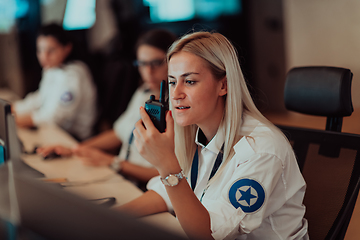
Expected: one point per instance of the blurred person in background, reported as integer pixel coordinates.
(67, 95)
(151, 50)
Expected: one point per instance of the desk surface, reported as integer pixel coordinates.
(86, 181)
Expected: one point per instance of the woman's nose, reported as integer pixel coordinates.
(44, 56)
(177, 92)
(148, 70)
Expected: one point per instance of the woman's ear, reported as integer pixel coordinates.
(223, 89)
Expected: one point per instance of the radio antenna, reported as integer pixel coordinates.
(162, 92)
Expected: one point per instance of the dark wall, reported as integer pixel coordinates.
(267, 48)
(27, 27)
(256, 32)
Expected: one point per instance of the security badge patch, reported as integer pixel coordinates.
(66, 97)
(248, 194)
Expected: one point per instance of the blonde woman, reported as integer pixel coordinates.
(226, 171)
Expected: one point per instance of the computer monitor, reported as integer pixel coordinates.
(53, 213)
(14, 150)
(5, 110)
(5, 206)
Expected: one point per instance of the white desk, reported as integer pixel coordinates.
(100, 181)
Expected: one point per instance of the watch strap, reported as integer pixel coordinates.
(179, 176)
(116, 164)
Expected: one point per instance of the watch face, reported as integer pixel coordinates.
(172, 180)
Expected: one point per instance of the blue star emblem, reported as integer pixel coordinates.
(247, 194)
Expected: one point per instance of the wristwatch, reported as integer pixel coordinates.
(173, 179)
(116, 164)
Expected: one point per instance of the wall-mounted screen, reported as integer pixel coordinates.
(79, 14)
(183, 10)
(10, 10)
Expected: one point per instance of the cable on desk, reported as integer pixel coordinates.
(81, 183)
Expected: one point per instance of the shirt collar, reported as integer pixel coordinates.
(215, 143)
(248, 126)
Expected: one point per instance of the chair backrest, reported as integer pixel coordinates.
(320, 91)
(330, 164)
(329, 160)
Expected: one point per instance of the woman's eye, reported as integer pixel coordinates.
(172, 83)
(190, 82)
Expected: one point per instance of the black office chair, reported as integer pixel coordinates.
(320, 91)
(328, 159)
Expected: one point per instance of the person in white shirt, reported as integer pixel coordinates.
(151, 53)
(225, 170)
(66, 95)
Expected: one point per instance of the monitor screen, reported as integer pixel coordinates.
(53, 213)
(7, 215)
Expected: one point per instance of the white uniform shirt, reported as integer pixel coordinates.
(66, 97)
(125, 125)
(271, 208)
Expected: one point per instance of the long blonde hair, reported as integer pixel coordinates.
(222, 60)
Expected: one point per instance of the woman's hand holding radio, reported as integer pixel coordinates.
(157, 148)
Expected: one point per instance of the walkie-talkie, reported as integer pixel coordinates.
(157, 109)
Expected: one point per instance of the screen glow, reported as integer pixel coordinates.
(79, 14)
(182, 10)
(2, 152)
(9, 11)
(170, 10)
